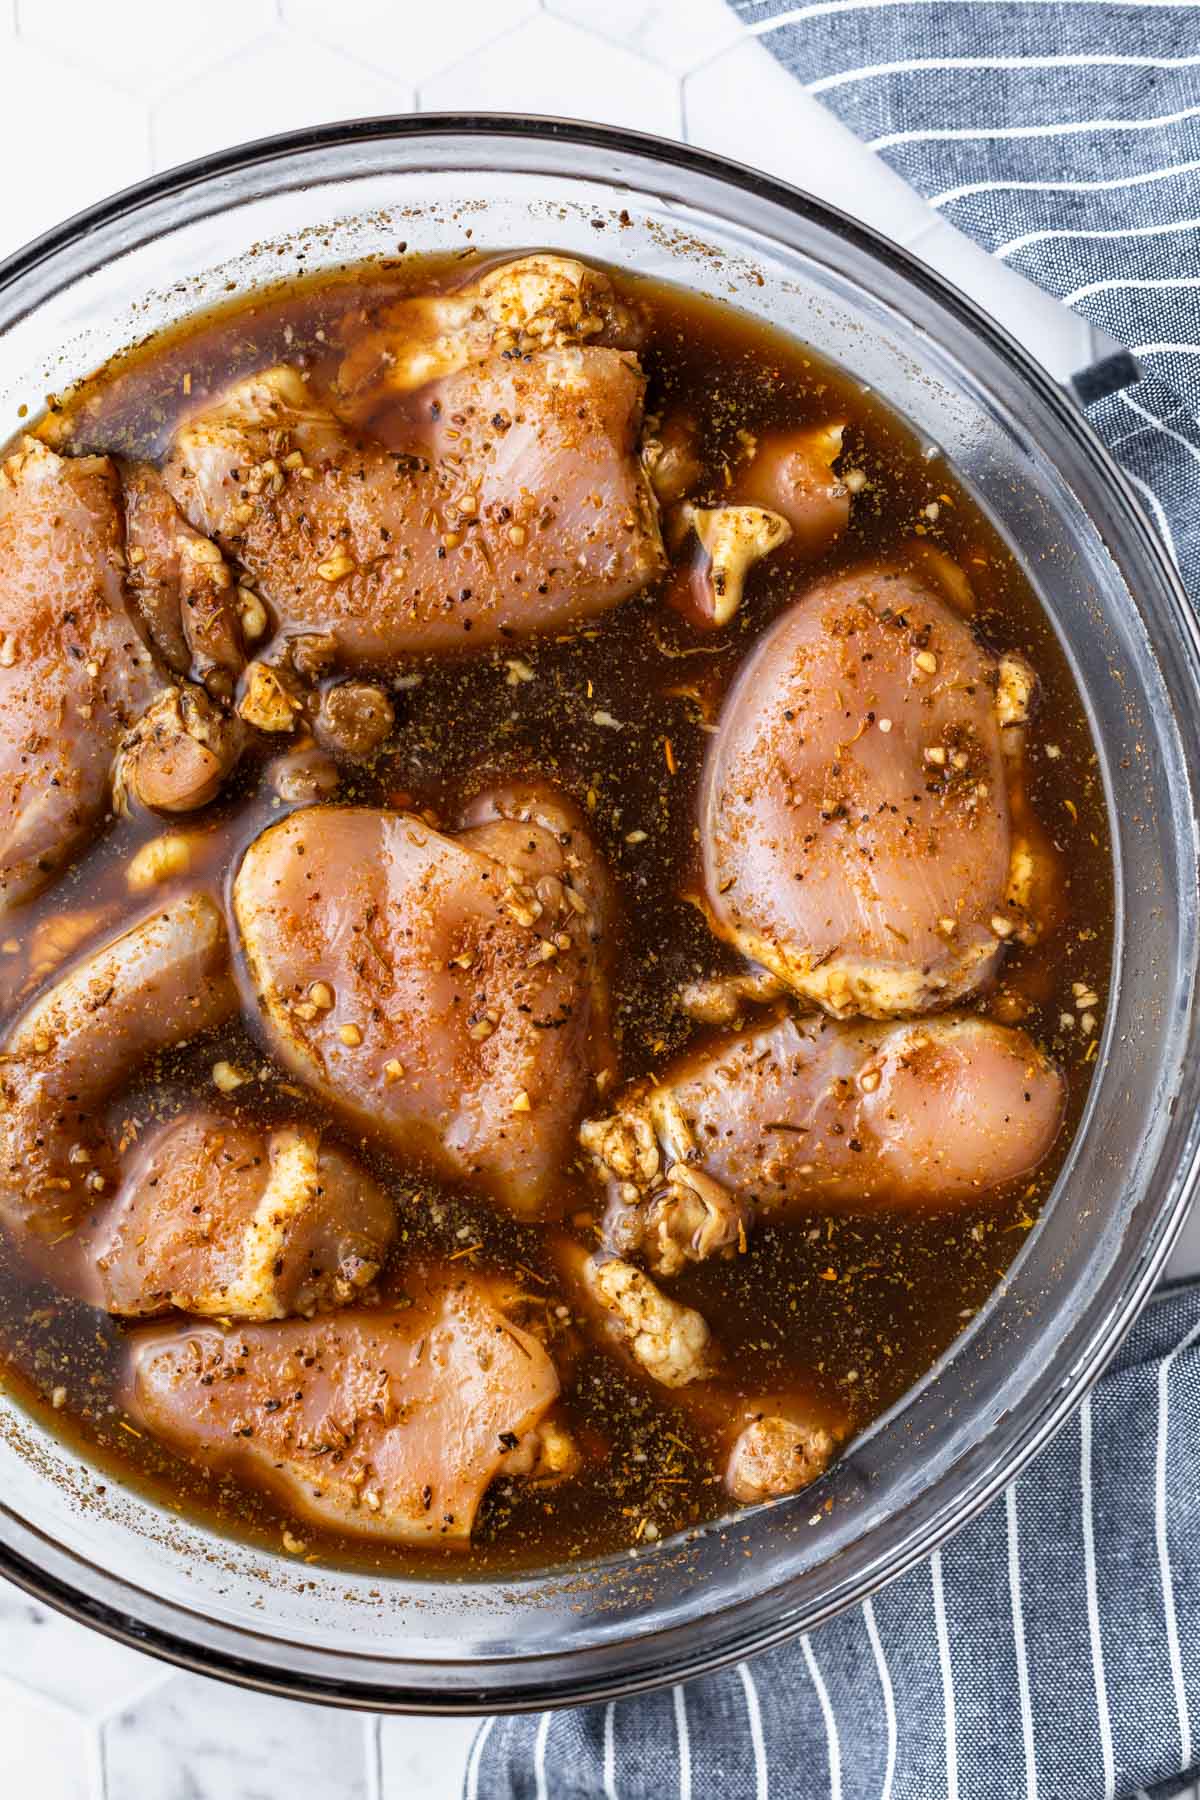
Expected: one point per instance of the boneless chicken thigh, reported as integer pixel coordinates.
(791, 473)
(532, 303)
(74, 673)
(669, 1341)
(445, 992)
(522, 508)
(777, 1444)
(855, 819)
(785, 492)
(311, 1109)
(810, 1116)
(215, 1217)
(379, 1422)
(181, 585)
(157, 984)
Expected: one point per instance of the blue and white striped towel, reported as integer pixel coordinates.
(1064, 136)
(1052, 1649)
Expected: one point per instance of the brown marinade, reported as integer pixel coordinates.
(859, 1306)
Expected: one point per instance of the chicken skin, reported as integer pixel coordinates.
(159, 983)
(855, 817)
(223, 1219)
(522, 508)
(74, 673)
(380, 1423)
(445, 992)
(805, 1116)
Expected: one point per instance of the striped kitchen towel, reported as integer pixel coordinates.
(1052, 1649)
(1064, 136)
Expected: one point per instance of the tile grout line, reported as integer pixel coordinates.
(97, 1760)
(634, 46)
(156, 1677)
(373, 1756)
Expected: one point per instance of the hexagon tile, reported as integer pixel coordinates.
(277, 83)
(141, 84)
(141, 45)
(106, 148)
(558, 68)
(408, 42)
(82, 1718)
(179, 1743)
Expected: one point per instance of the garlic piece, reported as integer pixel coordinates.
(266, 703)
(1016, 690)
(161, 859)
(734, 538)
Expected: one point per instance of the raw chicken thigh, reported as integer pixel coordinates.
(220, 1218)
(523, 508)
(807, 1116)
(855, 817)
(181, 585)
(519, 506)
(669, 1341)
(792, 473)
(537, 302)
(376, 1422)
(778, 1444)
(159, 983)
(446, 992)
(101, 574)
(74, 673)
(785, 493)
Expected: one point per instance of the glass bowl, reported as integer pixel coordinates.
(76, 1538)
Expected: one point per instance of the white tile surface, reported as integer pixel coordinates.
(105, 148)
(97, 95)
(141, 45)
(681, 38)
(193, 1739)
(61, 1661)
(410, 42)
(278, 83)
(44, 1751)
(548, 66)
(424, 1757)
